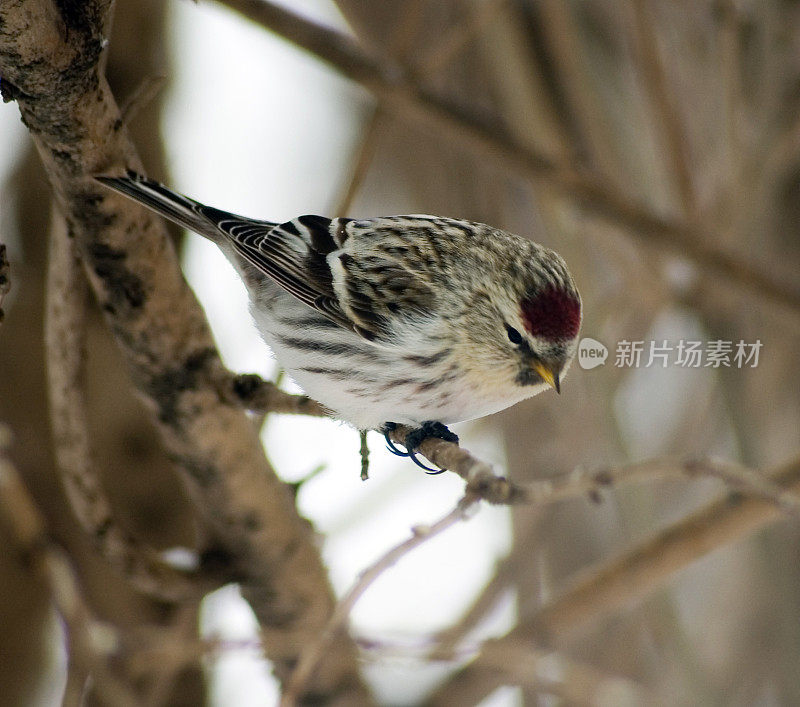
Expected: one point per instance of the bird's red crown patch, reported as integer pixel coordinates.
(552, 314)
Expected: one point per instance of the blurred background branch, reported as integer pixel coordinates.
(655, 145)
(404, 95)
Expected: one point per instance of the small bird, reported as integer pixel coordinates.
(415, 320)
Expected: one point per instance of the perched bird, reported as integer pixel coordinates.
(414, 320)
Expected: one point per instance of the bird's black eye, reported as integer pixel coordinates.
(513, 335)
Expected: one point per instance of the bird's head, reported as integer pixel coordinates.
(550, 318)
(529, 326)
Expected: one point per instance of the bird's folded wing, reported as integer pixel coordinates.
(293, 254)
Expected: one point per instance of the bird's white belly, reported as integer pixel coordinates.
(368, 405)
(367, 385)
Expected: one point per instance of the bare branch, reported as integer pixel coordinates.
(65, 321)
(488, 486)
(647, 567)
(672, 134)
(547, 672)
(91, 642)
(748, 481)
(480, 477)
(557, 674)
(479, 14)
(390, 84)
(598, 591)
(257, 394)
(312, 654)
(262, 396)
(363, 451)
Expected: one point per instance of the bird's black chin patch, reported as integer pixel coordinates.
(528, 377)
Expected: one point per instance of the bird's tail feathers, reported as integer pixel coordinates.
(182, 210)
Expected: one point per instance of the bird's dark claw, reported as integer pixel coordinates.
(429, 470)
(387, 428)
(415, 438)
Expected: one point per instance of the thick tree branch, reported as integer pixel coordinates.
(397, 92)
(49, 55)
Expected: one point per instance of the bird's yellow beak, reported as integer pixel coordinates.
(548, 376)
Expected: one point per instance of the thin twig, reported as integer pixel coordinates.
(523, 664)
(364, 453)
(390, 84)
(263, 396)
(480, 477)
(482, 481)
(748, 481)
(311, 655)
